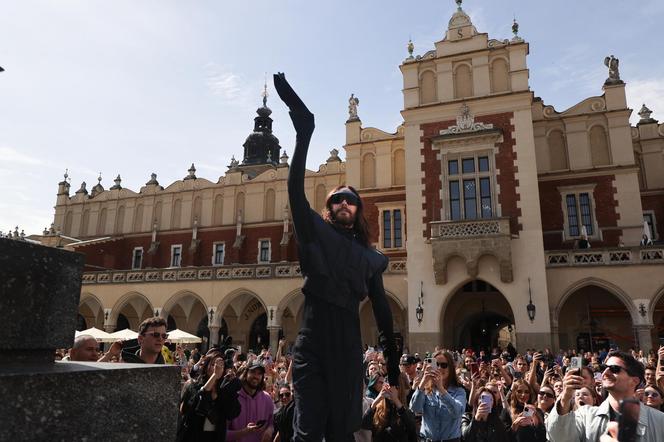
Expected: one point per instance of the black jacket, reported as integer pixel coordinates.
(197, 405)
(400, 425)
(491, 430)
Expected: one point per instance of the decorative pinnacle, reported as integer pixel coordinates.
(645, 113)
(458, 2)
(515, 28)
(99, 178)
(411, 47)
(66, 174)
(264, 94)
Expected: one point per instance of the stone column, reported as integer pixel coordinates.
(109, 328)
(555, 338)
(644, 334)
(274, 338)
(214, 335)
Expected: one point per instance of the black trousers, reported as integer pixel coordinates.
(327, 374)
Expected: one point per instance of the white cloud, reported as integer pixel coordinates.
(649, 91)
(224, 83)
(11, 155)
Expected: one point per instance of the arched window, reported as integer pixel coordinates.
(138, 219)
(463, 82)
(85, 221)
(239, 206)
(557, 150)
(176, 216)
(368, 178)
(320, 197)
(500, 80)
(269, 205)
(101, 222)
(69, 218)
(599, 147)
(156, 216)
(398, 168)
(197, 210)
(428, 92)
(218, 210)
(119, 220)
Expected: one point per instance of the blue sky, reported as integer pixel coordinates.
(132, 87)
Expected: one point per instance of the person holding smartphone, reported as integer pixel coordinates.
(620, 378)
(483, 423)
(255, 421)
(388, 417)
(440, 399)
(521, 416)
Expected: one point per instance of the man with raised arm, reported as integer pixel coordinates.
(340, 269)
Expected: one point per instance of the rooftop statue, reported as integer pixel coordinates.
(612, 62)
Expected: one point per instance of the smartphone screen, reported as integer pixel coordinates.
(474, 368)
(528, 412)
(487, 399)
(629, 418)
(576, 363)
(260, 423)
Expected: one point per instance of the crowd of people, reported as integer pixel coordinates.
(441, 396)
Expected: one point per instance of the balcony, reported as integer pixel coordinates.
(605, 257)
(255, 271)
(470, 240)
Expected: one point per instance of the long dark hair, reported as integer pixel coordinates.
(360, 226)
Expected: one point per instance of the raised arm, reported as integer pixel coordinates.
(303, 121)
(383, 315)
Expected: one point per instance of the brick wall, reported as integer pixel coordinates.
(605, 211)
(505, 177)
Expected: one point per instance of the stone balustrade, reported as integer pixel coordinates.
(255, 271)
(605, 256)
(468, 229)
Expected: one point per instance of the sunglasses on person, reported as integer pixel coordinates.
(350, 198)
(284, 394)
(544, 393)
(157, 335)
(651, 394)
(616, 369)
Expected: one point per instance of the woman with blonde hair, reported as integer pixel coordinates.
(388, 418)
(521, 417)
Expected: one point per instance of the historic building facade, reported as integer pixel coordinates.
(484, 199)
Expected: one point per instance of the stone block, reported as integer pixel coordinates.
(39, 293)
(88, 401)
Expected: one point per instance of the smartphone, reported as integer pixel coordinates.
(576, 363)
(529, 412)
(260, 423)
(432, 363)
(629, 419)
(487, 399)
(598, 376)
(518, 375)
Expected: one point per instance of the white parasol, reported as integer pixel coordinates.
(183, 337)
(99, 335)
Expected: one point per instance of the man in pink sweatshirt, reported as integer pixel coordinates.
(254, 424)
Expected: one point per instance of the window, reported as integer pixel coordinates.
(176, 255)
(649, 217)
(264, 251)
(137, 258)
(579, 211)
(218, 250)
(470, 192)
(391, 228)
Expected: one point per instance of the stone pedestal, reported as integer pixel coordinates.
(51, 401)
(274, 338)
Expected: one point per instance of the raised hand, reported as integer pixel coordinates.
(303, 120)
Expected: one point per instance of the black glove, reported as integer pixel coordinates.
(303, 120)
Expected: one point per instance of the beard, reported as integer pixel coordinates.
(343, 217)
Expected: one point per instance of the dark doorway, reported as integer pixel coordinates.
(259, 336)
(122, 323)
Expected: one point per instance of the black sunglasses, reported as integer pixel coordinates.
(549, 395)
(157, 335)
(285, 394)
(350, 198)
(615, 369)
(443, 365)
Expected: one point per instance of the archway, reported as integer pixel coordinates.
(657, 310)
(91, 313)
(593, 318)
(135, 308)
(240, 310)
(477, 316)
(369, 329)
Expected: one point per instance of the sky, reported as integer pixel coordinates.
(132, 87)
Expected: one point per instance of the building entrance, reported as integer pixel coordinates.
(477, 316)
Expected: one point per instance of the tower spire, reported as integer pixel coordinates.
(264, 94)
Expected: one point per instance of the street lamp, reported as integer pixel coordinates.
(419, 311)
(530, 307)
